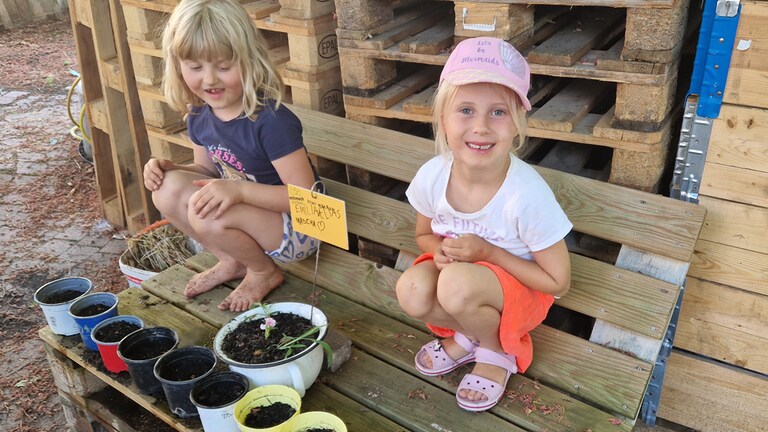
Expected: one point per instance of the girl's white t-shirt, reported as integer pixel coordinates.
(523, 217)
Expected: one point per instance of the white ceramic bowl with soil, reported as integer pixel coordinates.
(296, 367)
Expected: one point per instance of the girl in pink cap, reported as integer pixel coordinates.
(491, 232)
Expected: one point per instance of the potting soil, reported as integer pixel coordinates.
(269, 415)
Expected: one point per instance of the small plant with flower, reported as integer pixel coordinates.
(267, 326)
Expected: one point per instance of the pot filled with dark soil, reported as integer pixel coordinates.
(91, 309)
(316, 421)
(108, 334)
(55, 298)
(178, 371)
(140, 351)
(267, 409)
(215, 397)
(275, 344)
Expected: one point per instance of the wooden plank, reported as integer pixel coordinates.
(577, 70)
(569, 106)
(738, 140)
(146, 210)
(420, 103)
(724, 323)
(403, 25)
(735, 184)
(731, 266)
(320, 397)
(734, 224)
(582, 133)
(305, 9)
(396, 92)
(746, 84)
(430, 41)
(708, 396)
(576, 39)
(646, 221)
(396, 342)
(605, 129)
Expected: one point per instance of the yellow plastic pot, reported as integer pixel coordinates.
(264, 396)
(316, 420)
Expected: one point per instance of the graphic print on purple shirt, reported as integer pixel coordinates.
(247, 146)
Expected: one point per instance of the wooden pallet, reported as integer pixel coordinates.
(585, 43)
(118, 138)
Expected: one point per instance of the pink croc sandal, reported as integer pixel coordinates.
(442, 363)
(493, 390)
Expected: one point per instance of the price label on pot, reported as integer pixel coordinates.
(319, 216)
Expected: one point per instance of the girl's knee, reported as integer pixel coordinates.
(456, 288)
(415, 298)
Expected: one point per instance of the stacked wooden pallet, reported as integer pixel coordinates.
(312, 72)
(117, 135)
(302, 44)
(605, 72)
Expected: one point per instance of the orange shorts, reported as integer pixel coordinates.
(524, 309)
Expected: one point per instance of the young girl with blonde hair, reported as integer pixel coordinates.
(233, 197)
(490, 229)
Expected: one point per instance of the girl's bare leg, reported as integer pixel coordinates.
(417, 294)
(473, 296)
(242, 234)
(239, 252)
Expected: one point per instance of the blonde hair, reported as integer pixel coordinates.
(214, 30)
(443, 98)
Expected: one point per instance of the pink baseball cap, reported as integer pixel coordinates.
(488, 60)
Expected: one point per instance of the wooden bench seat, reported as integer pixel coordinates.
(596, 382)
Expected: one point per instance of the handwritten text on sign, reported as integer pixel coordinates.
(319, 216)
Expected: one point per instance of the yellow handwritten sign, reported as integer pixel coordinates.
(319, 216)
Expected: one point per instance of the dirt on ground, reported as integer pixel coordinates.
(50, 217)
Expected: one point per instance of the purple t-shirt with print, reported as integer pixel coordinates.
(242, 148)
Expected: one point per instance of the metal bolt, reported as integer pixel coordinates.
(721, 40)
(589, 350)
(625, 407)
(576, 386)
(717, 66)
(719, 93)
(653, 328)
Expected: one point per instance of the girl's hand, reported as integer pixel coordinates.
(440, 259)
(214, 197)
(154, 172)
(467, 248)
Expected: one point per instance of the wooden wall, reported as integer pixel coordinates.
(721, 383)
(15, 13)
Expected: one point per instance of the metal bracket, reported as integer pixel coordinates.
(476, 27)
(652, 397)
(691, 154)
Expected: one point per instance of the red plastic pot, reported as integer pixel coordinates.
(108, 349)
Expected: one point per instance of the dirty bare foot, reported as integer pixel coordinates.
(253, 288)
(216, 275)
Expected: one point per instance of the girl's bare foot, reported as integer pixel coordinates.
(213, 277)
(453, 349)
(253, 288)
(491, 372)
